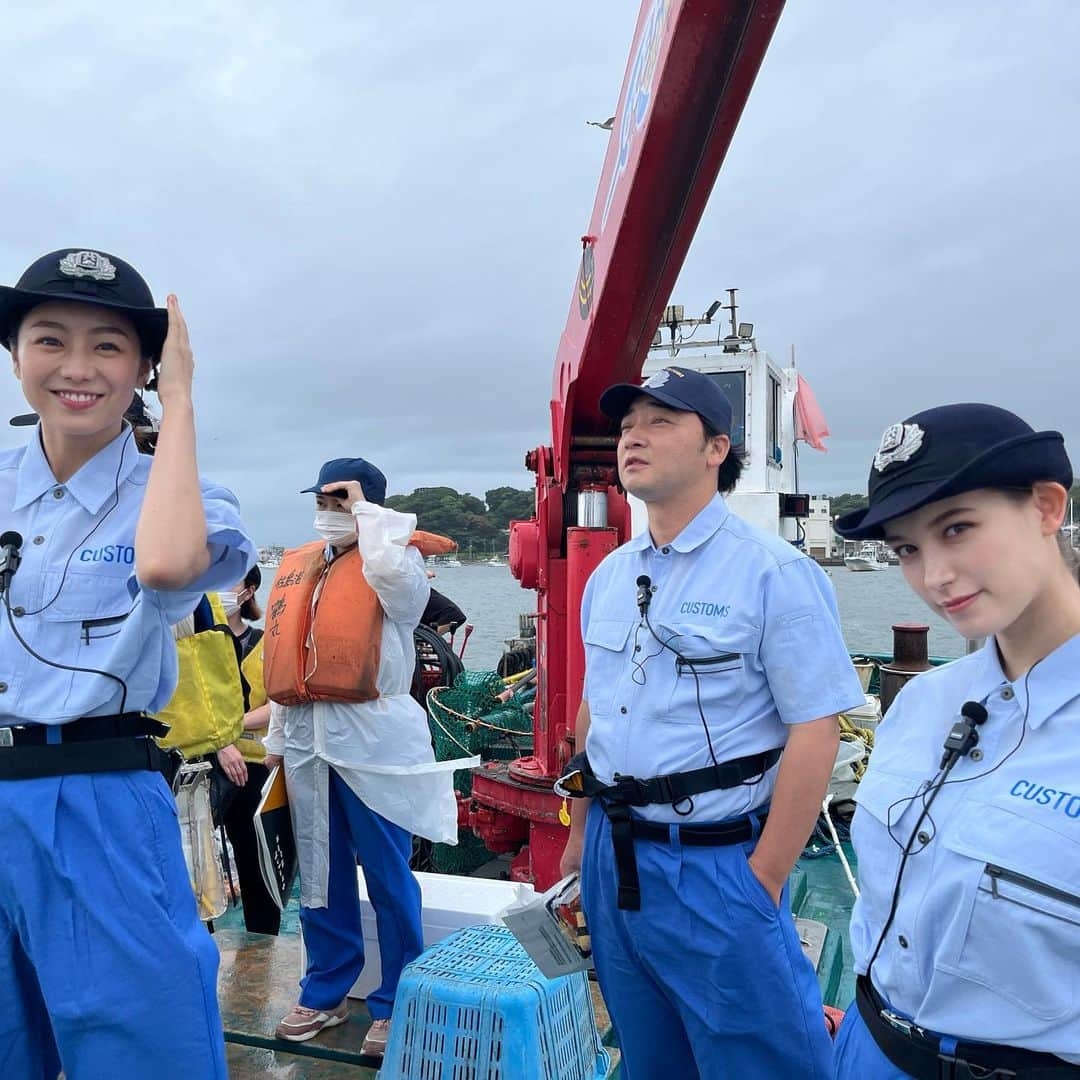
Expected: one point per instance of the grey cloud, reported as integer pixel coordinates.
(371, 214)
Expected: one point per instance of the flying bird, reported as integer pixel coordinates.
(607, 125)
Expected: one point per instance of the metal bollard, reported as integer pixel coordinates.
(911, 657)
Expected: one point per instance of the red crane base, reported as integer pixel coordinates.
(506, 811)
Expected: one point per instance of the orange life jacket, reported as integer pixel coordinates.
(323, 637)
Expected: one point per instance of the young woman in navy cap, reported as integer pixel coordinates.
(105, 969)
(967, 931)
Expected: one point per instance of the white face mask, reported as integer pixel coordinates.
(230, 601)
(335, 525)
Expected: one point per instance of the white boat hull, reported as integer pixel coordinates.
(860, 565)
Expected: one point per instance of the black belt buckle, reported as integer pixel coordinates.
(951, 1067)
(7, 737)
(663, 789)
(630, 790)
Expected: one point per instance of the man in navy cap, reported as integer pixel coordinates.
(714, 672)
(362, 776)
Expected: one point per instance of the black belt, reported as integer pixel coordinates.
(86, 729)
(673, 788)
(728, 832)
(625, 829)
(919, 1053)
(92, 744)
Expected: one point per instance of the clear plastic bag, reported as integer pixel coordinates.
(199, 840)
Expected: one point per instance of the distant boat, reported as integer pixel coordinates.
(496, 560)
(867, 558)
(436, 561)
(270, 556)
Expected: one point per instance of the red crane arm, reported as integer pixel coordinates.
(691, 68)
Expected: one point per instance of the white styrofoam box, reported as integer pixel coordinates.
(449, 903)
(868, 714)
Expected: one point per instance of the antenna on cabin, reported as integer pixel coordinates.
(674, 318)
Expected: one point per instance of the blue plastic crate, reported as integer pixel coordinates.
(475, 1007)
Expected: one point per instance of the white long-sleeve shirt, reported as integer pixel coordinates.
(381, 748)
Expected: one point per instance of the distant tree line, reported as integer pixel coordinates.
(475, 523)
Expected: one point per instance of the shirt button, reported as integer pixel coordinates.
(3, 687)
(666, 550)
(1007, 694)
(58, 493)
(903, 941)
(39, 539)
(637, 648)
(622, 709)
(976, 755)
(18, 611)
(923, 838)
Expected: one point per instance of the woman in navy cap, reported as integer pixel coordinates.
(967, 930)
(105, 969)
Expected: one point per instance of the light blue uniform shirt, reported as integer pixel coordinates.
(99, 617)
(756, 609)
(986, 939)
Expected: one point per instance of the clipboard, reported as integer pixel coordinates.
(276, 842)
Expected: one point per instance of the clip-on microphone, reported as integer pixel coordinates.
(644, 593)
(10, 557)
(963, 737)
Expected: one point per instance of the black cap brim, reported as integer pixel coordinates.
(615, 400)
(1014, 463)
(152, 324)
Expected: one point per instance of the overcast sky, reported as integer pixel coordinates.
(371, 214)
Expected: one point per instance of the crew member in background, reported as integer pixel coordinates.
(243, 762)
(362, 776)
(966, 933)
(714, 672)
(442, 614)
(100, 942)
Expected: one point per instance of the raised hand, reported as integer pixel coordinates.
(354, 493)
(177, 362)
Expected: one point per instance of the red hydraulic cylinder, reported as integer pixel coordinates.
(585, 550)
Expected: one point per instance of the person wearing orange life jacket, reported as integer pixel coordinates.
(361, 772)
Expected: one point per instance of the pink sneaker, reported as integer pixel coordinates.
(302, 1023)
(376, 1039)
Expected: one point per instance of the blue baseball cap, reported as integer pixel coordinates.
(950, 450)
(677, 388)
(351, 468)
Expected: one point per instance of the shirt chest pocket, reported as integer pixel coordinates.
(707, 672)
(605, 642)
(82, 617)
(1021, 906)
(95, 605)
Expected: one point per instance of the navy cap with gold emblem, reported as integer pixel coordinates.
(677, 388)
(947, 451)
(89, 277)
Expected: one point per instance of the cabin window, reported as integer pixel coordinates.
(774, 425)
(733, 383)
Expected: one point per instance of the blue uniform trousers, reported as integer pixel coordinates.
(708, 979)
(858, 1056)
(333, 935)
(105, 968)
